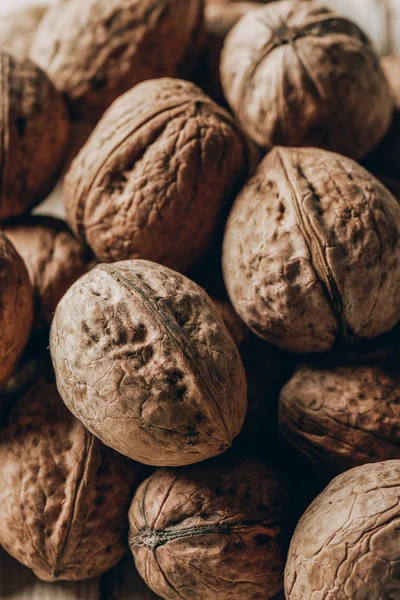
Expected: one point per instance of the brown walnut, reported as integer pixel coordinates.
(17, 28)
(297, 74)
(154, 176)
(16, 307)
(346, 546)
(312, 251)
(143, 359)
(53, 257)
(340, 417)
(34, 136)
(214, 530)
(64, 497)
(96, 50)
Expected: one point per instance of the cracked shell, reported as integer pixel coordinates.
(143, 359)
(312, 251)
(155, 174)
(342, 416)
(34, 135)
(16, 307)
(346, 545)
(297, 74)
(214, 530)
(64, 497)
(96, 50)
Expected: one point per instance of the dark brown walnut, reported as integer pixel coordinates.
(343, 416)
(312, 251)
(155, 174)
(143, 359)
(53, 257)
(34, 131)
(96, 50)
(216, 530)
(17, 28)
(297, 74)
(346, 545)
(64, 497)
(16, 307)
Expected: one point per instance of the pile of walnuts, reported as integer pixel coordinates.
(209, 342)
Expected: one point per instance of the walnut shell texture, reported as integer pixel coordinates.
(17, 28)
(143, 359)
(297, 74)
(53, 257)
(97, 50)
(346, 546)
(16, 307)
(34, 137)
(155, 174)
(214, 530)
(312, 251)
(343, 416)
(64, 497)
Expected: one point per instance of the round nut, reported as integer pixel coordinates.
(297, 74)
(17, 28)
(34, 136)
(347, 543)
(343, 416)
(16, 307)
(312, 251)
(152, 179)
(53, 257)
(218, 526)
(143, 359)
(96, 50)
(64, 497)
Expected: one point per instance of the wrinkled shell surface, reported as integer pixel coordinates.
(297, 74)
(344, 416)
(312, 251)
(17, 28)
(34, 132)
(16, 307)
(152, 179)
(64, 496)
(144, 360)
(211, 531)
(53, 257)
(96, 50)
(346, 545)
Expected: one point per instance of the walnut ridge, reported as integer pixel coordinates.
(297, 74)
(143, 359)
(212, 529)
(311, 251)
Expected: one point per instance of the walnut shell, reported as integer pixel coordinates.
(16, 307)
(17, 28)
(34, 135)
(213, 530)
(53, 257)
(312, 251)
(153, 178)
(64, 497)
(143, 359)
(96, 50)
(347, 543)
(297, 74)
(343, 416)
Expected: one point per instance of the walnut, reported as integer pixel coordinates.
(53, 257)
(17, 28)
(96, 50)
(34, 136)
(214, 530)
(347, 543)
(64, 497)
(297, 74)
(312, 251)
(343, 416)
(16, 307)
(143, 359)
(153, 178)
